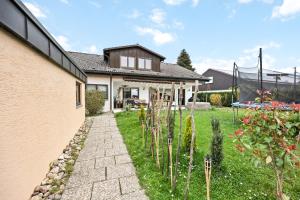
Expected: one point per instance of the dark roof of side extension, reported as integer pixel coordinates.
(17, 19)
(106, 50)
(94, 63)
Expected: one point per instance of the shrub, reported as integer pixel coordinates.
(272, 137)
(187, 134)
(216, 99)
(216, 145)
(226, 97)
(94, 102)
(142, 115)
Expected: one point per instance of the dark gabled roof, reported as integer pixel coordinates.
(223, 71)
(94, 63)
(18, 20)
(106, 50)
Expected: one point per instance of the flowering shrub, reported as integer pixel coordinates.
(264, 96)
(216, 99)
(272, 138)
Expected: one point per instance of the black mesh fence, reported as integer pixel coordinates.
(284, 87)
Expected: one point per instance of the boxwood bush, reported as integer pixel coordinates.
(94, 102)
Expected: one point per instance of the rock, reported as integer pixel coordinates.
(61, 157)
(62, 187)
(36, 198)
(46, 194)
(57, 196)
(50, 175)
(55, 170)
(37, 188)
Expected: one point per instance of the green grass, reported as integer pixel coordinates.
(239, 179)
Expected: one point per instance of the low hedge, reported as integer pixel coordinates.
(225, 98)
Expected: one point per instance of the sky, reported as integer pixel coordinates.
(215, 33)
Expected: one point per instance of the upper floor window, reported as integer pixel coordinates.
(145, 63)
(126, 61)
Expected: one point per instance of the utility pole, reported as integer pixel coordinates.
(260, 73)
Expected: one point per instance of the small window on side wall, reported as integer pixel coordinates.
(78, 94)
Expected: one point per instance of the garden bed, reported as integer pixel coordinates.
(238, 180)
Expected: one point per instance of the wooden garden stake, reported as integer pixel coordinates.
(179, 138)
(192, 142)
(207, 164)
(170, 134)
(161, 133)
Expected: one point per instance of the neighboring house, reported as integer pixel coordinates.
(41, 100)
(219, 80)
(133, 72)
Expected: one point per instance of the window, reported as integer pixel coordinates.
(123, 61)
(131, 93)
(126, 61)
(145, 63)
(101, 88)
(148, 63)
(78, 94)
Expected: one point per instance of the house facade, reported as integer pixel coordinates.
(219, 80)
(132, 73)
(41, 100)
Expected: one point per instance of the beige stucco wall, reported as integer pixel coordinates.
(38, 116)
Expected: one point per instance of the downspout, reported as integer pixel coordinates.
(110, 92)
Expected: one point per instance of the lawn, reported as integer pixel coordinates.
(239, 179)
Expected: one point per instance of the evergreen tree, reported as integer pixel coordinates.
(184, 60)
(216, 145)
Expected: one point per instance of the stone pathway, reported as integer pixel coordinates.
(104, 169)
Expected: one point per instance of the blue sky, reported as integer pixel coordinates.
(214, 32)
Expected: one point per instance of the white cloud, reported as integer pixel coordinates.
(158, 37)
(195, 3)
(35, 9)
(92, 49)
(65, 1)
(158, 16)
(63, 41)
(95, 4)
(249, 1)
(232, 13)
(248, 58)
(288, 8)
(179, 2)
(245, 1)
(134, 14)
(174, 2)
(178, 24)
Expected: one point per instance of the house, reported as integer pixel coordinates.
(41, 100)
(220, 79)
(133, 72)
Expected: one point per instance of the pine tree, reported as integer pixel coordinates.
(216, 145)
(184, 60)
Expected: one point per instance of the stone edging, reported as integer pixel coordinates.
(52, 187)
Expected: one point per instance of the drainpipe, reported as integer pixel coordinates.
(110, 92)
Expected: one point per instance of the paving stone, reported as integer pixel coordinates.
(78, 193)
(121, 159)
(129, 184)
(119, 171)
(103, 168)
(138, 195)
(105, 162)
(106, 190)
(84, 166)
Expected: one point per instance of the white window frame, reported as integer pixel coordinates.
(144, 61)
(127, 58)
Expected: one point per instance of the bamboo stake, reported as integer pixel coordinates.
(161, 134)
(148, 116)
(157, 128)
(179, 138)
(170, 134)
(207, 164)
(152, 125)
(192, 142)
